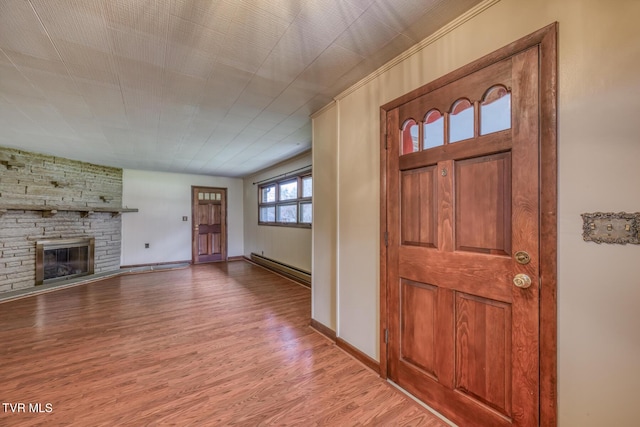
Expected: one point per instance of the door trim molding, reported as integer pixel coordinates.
(546, 40)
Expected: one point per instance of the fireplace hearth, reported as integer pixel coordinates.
(63, 259)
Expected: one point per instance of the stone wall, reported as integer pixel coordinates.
(30, 179)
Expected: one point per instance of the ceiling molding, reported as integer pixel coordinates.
(323, 109)
(470, 14)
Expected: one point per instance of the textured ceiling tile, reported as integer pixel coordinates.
(233, 123)
(327, 19)
(189, 61)
(253, 101)
(13, 82)
(140, 47)
(23, 62)
(226, 83)
(213, 14)
(13, 118)
(250, 18)
(267, 120)
(278, 71)
(266, 87)
(148, 17)
(360, 38)
(249, 113)
(290, 100)
(51, 84)
(248, 59)
(139, 76)
(84, 62)
(279, 132)
(45, 115)
(194, 36)
(105, 102)
(285, 9)
(399, 14)
(20, 31)
(298, 43)
(387, 52)
(362, 4)
(182, 89)
(80, 22)
(87, 129)
(72, 106)
(330, 65)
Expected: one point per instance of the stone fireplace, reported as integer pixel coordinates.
(63, 259)
(46, 200)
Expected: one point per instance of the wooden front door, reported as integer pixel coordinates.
(209, 216)
(463, 191)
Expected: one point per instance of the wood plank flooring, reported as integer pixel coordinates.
(209, 345)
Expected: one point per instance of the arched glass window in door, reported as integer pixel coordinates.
(410, 142)
(495, 110)
(461, 121)
(433, 132)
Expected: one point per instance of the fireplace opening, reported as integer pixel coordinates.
(63, 259)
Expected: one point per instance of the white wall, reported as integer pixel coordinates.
(325, 190)
(598, 149)
(289, 245)
(163, 199)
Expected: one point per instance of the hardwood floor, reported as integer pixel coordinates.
(213, 344)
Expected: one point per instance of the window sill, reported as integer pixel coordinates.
(286, 224)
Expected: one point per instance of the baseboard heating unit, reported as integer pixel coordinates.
(301, 276)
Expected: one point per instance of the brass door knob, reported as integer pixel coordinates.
(522, 281)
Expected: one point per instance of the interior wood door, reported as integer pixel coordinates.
(463, 224)
(209, 216)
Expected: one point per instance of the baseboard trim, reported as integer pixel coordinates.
(154, 264)
(235, 258)
(300, 276)
(345, 346)
(358, 355)
(324, 330)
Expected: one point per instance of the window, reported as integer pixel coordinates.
(286, 202)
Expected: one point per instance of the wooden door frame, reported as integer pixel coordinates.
(546, 40)
(194, 244)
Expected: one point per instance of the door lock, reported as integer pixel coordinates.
(522, 257)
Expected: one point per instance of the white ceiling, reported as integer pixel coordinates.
(218, 87)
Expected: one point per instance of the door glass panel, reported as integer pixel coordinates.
(289, 190)
(433, 129)
(461, 121)
(267, 214)
(410, 142)
(268, 194)
(495, 111)
(218, 196)
(200, 196)
(287, 213)
(207, 196)
(306, 212)
(307, 186)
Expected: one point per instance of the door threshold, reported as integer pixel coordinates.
(424, 405)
